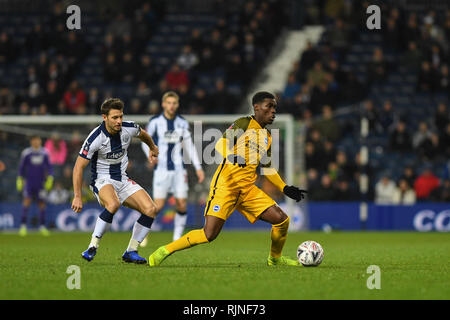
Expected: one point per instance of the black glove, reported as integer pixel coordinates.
(235, 159)
(294, 193)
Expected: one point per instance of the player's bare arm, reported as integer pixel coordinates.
(147, 139)
(77, 178)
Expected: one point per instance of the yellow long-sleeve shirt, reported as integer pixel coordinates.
(247, 139)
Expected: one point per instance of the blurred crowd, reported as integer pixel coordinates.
(318, 86)
(225, 54)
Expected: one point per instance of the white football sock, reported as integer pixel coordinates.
(101, 226)
(139, 234)
(178, 225)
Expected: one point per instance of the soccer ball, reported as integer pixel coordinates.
(310, 254)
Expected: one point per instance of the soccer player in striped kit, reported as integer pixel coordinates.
(171, 133)
(106, 149)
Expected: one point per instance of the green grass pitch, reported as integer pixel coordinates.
(412, 265)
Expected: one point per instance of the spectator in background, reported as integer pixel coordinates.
(119, 26)
(141, 31)
(404, 194)
(135, 106)
(321, 96)
(34, 97)
(344, 191)
(111, 68)
(147, 71)
(185, 98)
(143, 93)
(312, 157)
(200, 102)
(326, 191)
(424, 133)
(6, 100)
(8, 49)
(391, 34)
(370, 113)
(196, 42)
(54, 74)
(52, 96)
(328, 153)
(188, 58)
(443, 81)
(313, 182)
(377, 69)
(57, 151)
(316, 75)
(413, 57)
(175, 77)
(346, 169)
(223, 102)
(59, 195)
(425, 184)
(127, 69)
(291, 89)
(75, 99)
(441, 117)
(236, 71)
(328, 126)
(400, 139)
(386, 117)
(409, 175)
(442, 193)
(384, 190)
(207, 60)
(425, 81)
(309, 56)
(435, 57)
(93, 101)
(36, 40)
(411, 33)
(75, 48)
(339, 38)
(444, 142)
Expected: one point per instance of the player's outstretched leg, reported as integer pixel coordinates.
(189, 240)
(210, 231)
(101, 226)
(278, 236)
(140, 231)
(142, 202)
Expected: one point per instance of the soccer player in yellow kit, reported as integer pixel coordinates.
(244, 145)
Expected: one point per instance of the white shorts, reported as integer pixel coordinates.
(124, 188)
(174, 182)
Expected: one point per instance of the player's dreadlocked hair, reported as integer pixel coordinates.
(111, 103)
(260, 96)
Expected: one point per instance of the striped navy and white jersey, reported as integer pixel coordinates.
(172, 136)
(108, 153)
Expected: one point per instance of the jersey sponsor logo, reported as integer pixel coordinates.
(216, 208)
(115, 155)
(37, 159)
(171, 136)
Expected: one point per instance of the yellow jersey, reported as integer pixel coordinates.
(247, 139)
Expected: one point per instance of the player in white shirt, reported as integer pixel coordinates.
(172, 136)
(106, 148)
